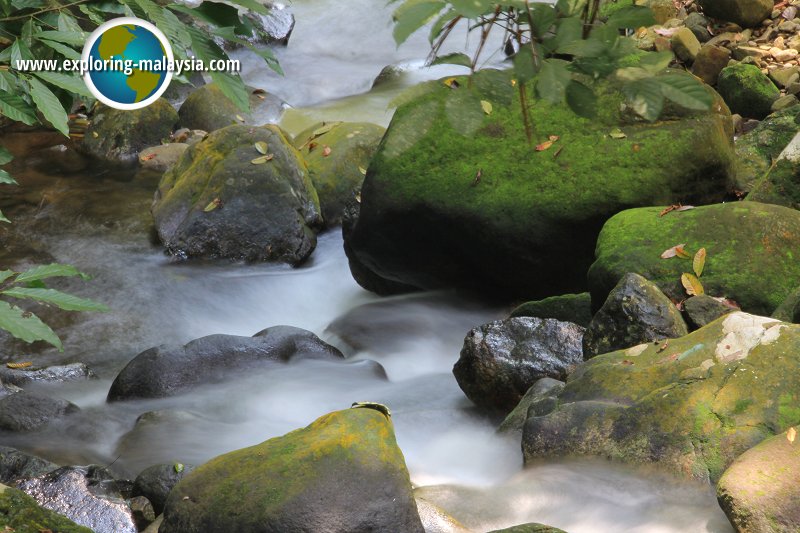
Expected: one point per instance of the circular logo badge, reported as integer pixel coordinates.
(127, 63)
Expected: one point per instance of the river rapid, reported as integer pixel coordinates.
(98, 220)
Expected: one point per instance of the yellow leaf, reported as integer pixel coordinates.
(682, 253)
(325, 128)
(452, 83)
(699, 262)
(362, 170)
(692, 285)
(544, 146)
(487, 107)
(95, 134)
(240, 118)
(17, 366)
(791, 435)
(261, 147)
(263, 159)
(213, 204)
(617, 133)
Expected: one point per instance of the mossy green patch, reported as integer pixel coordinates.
(575, 308)
(747, 90)
(758, 148)
(19, 513)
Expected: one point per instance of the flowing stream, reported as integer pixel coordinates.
(98, 220)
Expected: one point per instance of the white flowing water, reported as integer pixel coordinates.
(451, 450)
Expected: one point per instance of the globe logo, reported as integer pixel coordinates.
(128, 63)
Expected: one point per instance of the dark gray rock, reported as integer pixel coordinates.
(208, 109)
(789, 310)
(50, 374)
(143, 512)
(540, 399)
(26, 411)
(529, 528)
(703, 309)
(698, 24)
(501, 360)
(156, 482)
(16, 465)
(636, 311)
(575, 308)
(168, 370)
(87, 495)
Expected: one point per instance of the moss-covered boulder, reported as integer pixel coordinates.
(747, 90)
(529, 528)
(752, 252)
(789, 310)
(759, 492)
(343, 473)
(337, 156)
(540, 399)
(702, 310)
(575, 308)
(117, 136)
(757, 149)
(223, 198)
(781, 184)
(207, 108)
(456, 196)
(746, 13)
(19, 513)
(693, 404)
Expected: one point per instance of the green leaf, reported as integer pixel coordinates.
(455, 58)
(3, 218)
(471, 8)
(19, 51)
(73, 38)
(62, 300)
(229, 34)
(167, 22)
(231, 86)
(494, 85)
(544, 16)
(27, 4)
(220, 15)
(67, 23)
(413, 15)
(5, 155)
(7, 179)
(582, 100)
(62, 49)
(92, 14)
(464, 111)
(645, 97)
(26, 326)
(15, 108)
(5, 274)
(524, 67)
(631, 17)
(53, 270)
(49, 106)
(69, 82)
(685, 91)
(553, 79)
(252, 5)
(655, 62)
(569, 30)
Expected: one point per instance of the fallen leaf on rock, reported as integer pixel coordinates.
(95, 134)
(240, 118)
(263, 159)
(636, 351)
(362, 170)
(666, 32)
(486, 106)
(147, 157)
(544, 146)
(325, 128)
(692, 284)
(18, 366)
(617, 133)
(673, 252)
(663, 347)
(554, 138)
(452, 83)
(326, 151)
(679, 208)
(699, 262)
(213, 204)
(261, 147)
(791, 435)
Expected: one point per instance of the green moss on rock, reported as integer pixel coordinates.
(747, 90)
(575, 308)
(19, 513)
(757, 149)
(752, 248)
(474, 205)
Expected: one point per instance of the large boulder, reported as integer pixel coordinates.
(575, 308)
(780, 184)
(117, 136)
(16, 465)
(540, 399)
(337, 156)
(168, 369)
(87, 495)
(343, 473)
(635, 311)
(223, 198)
(501, 360)
(747, 90)
(746, 13)
(157, 481)
(692, 406)
(751, 252)
(759, 492)
(531, 527)
(21, 514)
(208, 109)
(457, 197)
(757, 149)
(28, 411)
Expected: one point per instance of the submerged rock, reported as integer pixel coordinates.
(342, 473)
(27, 411)
(501, 360)
(87, 495)
(50, 374)
(751, 252)
(759, 492)
(635, 311)
(117, 136)
(338, 156)
(19, 512)
(224, 199)
(456, 198)
(692, 407)
(168, 370)
(575, 308)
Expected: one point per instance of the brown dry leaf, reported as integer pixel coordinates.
(544, 146)
(672, 252)
(683, 254)
(311, 147)
(261, 147)
(699, 262)
(791, 435)
(213, 204)
(636, 147)
(692, 284)
(147, 157)
(326, 151)
(19, 366)
(263, 159)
